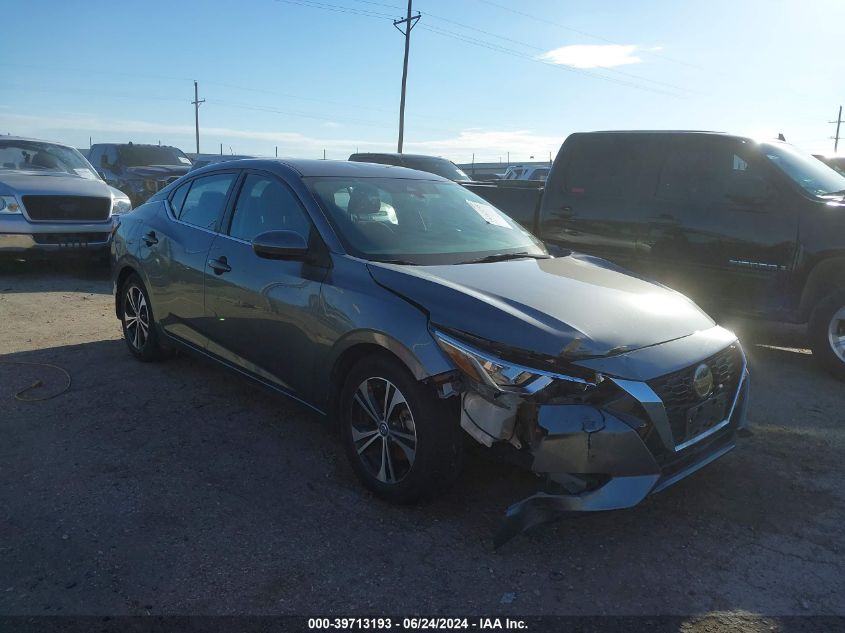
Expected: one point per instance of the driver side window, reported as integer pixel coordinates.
(266, 204)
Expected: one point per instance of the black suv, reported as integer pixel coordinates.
(431, 164)
(138, 170)
(743, 227)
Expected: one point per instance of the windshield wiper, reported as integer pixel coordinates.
(401, 262)
(500, 257)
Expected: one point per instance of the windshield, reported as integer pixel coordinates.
(437, 166)
(810, 174)
(143, 155)
(44, 157)
(417, 221)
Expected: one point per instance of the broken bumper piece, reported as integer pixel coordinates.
(595, 460)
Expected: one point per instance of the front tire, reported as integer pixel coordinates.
(139, 327)
(402, 441)
(827, 333)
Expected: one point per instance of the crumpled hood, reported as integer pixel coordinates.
(571, 307)
(157, 172)
(51, 184)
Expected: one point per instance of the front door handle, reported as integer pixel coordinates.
(219, 266)
(564, 213)
(150, 238)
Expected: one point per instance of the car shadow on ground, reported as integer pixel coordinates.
(179, 487)
(54, 274)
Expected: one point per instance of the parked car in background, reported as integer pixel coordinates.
(52, 199)
(431, 164)
(834, 162)
(452, 316)
(201, 160)
(139, 170)
(741, 226)
(527, 172)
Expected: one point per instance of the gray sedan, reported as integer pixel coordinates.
(413, 313)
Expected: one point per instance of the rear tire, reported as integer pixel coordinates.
(139, 327)
(827, 333)
(412, 452)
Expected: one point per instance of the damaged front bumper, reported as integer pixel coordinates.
(639, 435)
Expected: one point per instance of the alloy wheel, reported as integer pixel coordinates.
(136, 317)
(836, 334)
(383, 430)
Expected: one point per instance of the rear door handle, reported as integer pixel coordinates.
(219, 266)
(564, 213)
(150, 238)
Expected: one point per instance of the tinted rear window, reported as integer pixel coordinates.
(610, 166)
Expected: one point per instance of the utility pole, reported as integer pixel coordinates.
(409, 23)
(838, 122)
(197, 101)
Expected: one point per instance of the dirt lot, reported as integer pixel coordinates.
(181, 488)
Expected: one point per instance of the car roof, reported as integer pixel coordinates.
(137, 145)
(315, 167)
(397, 155)
(663, 133)
(35, 140)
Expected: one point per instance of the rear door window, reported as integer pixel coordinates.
(206, 200)
(177, 198)
(620, 167)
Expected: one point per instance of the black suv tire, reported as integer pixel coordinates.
(822, 327)
(413, 452)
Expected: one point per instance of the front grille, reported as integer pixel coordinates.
(70, 238)
(677, 394)
(67, 208)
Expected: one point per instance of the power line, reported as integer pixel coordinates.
(838, 122)
(519, 54)
(346, 9)
(530, 46)
(599, 38)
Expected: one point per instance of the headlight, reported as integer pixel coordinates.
(120, 205)
(9, 204)
(500, 374)
(151, 186)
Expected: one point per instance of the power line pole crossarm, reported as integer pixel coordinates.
(197, 101)
(409, 22)
(838, 122)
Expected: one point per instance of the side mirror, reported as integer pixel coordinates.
(280, 245)
(751, 190)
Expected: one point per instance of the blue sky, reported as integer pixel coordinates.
(488, 77)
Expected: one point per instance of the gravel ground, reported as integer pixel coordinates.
(179, 488)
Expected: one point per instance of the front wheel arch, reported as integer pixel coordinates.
(120, 281)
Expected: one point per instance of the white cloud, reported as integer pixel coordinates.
(487, 145)
(592, 56)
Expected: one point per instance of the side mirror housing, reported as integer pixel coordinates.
(280, 245)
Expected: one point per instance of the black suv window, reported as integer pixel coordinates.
(266, 204)
(206, 199)
(700, 169)
(610, 166)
